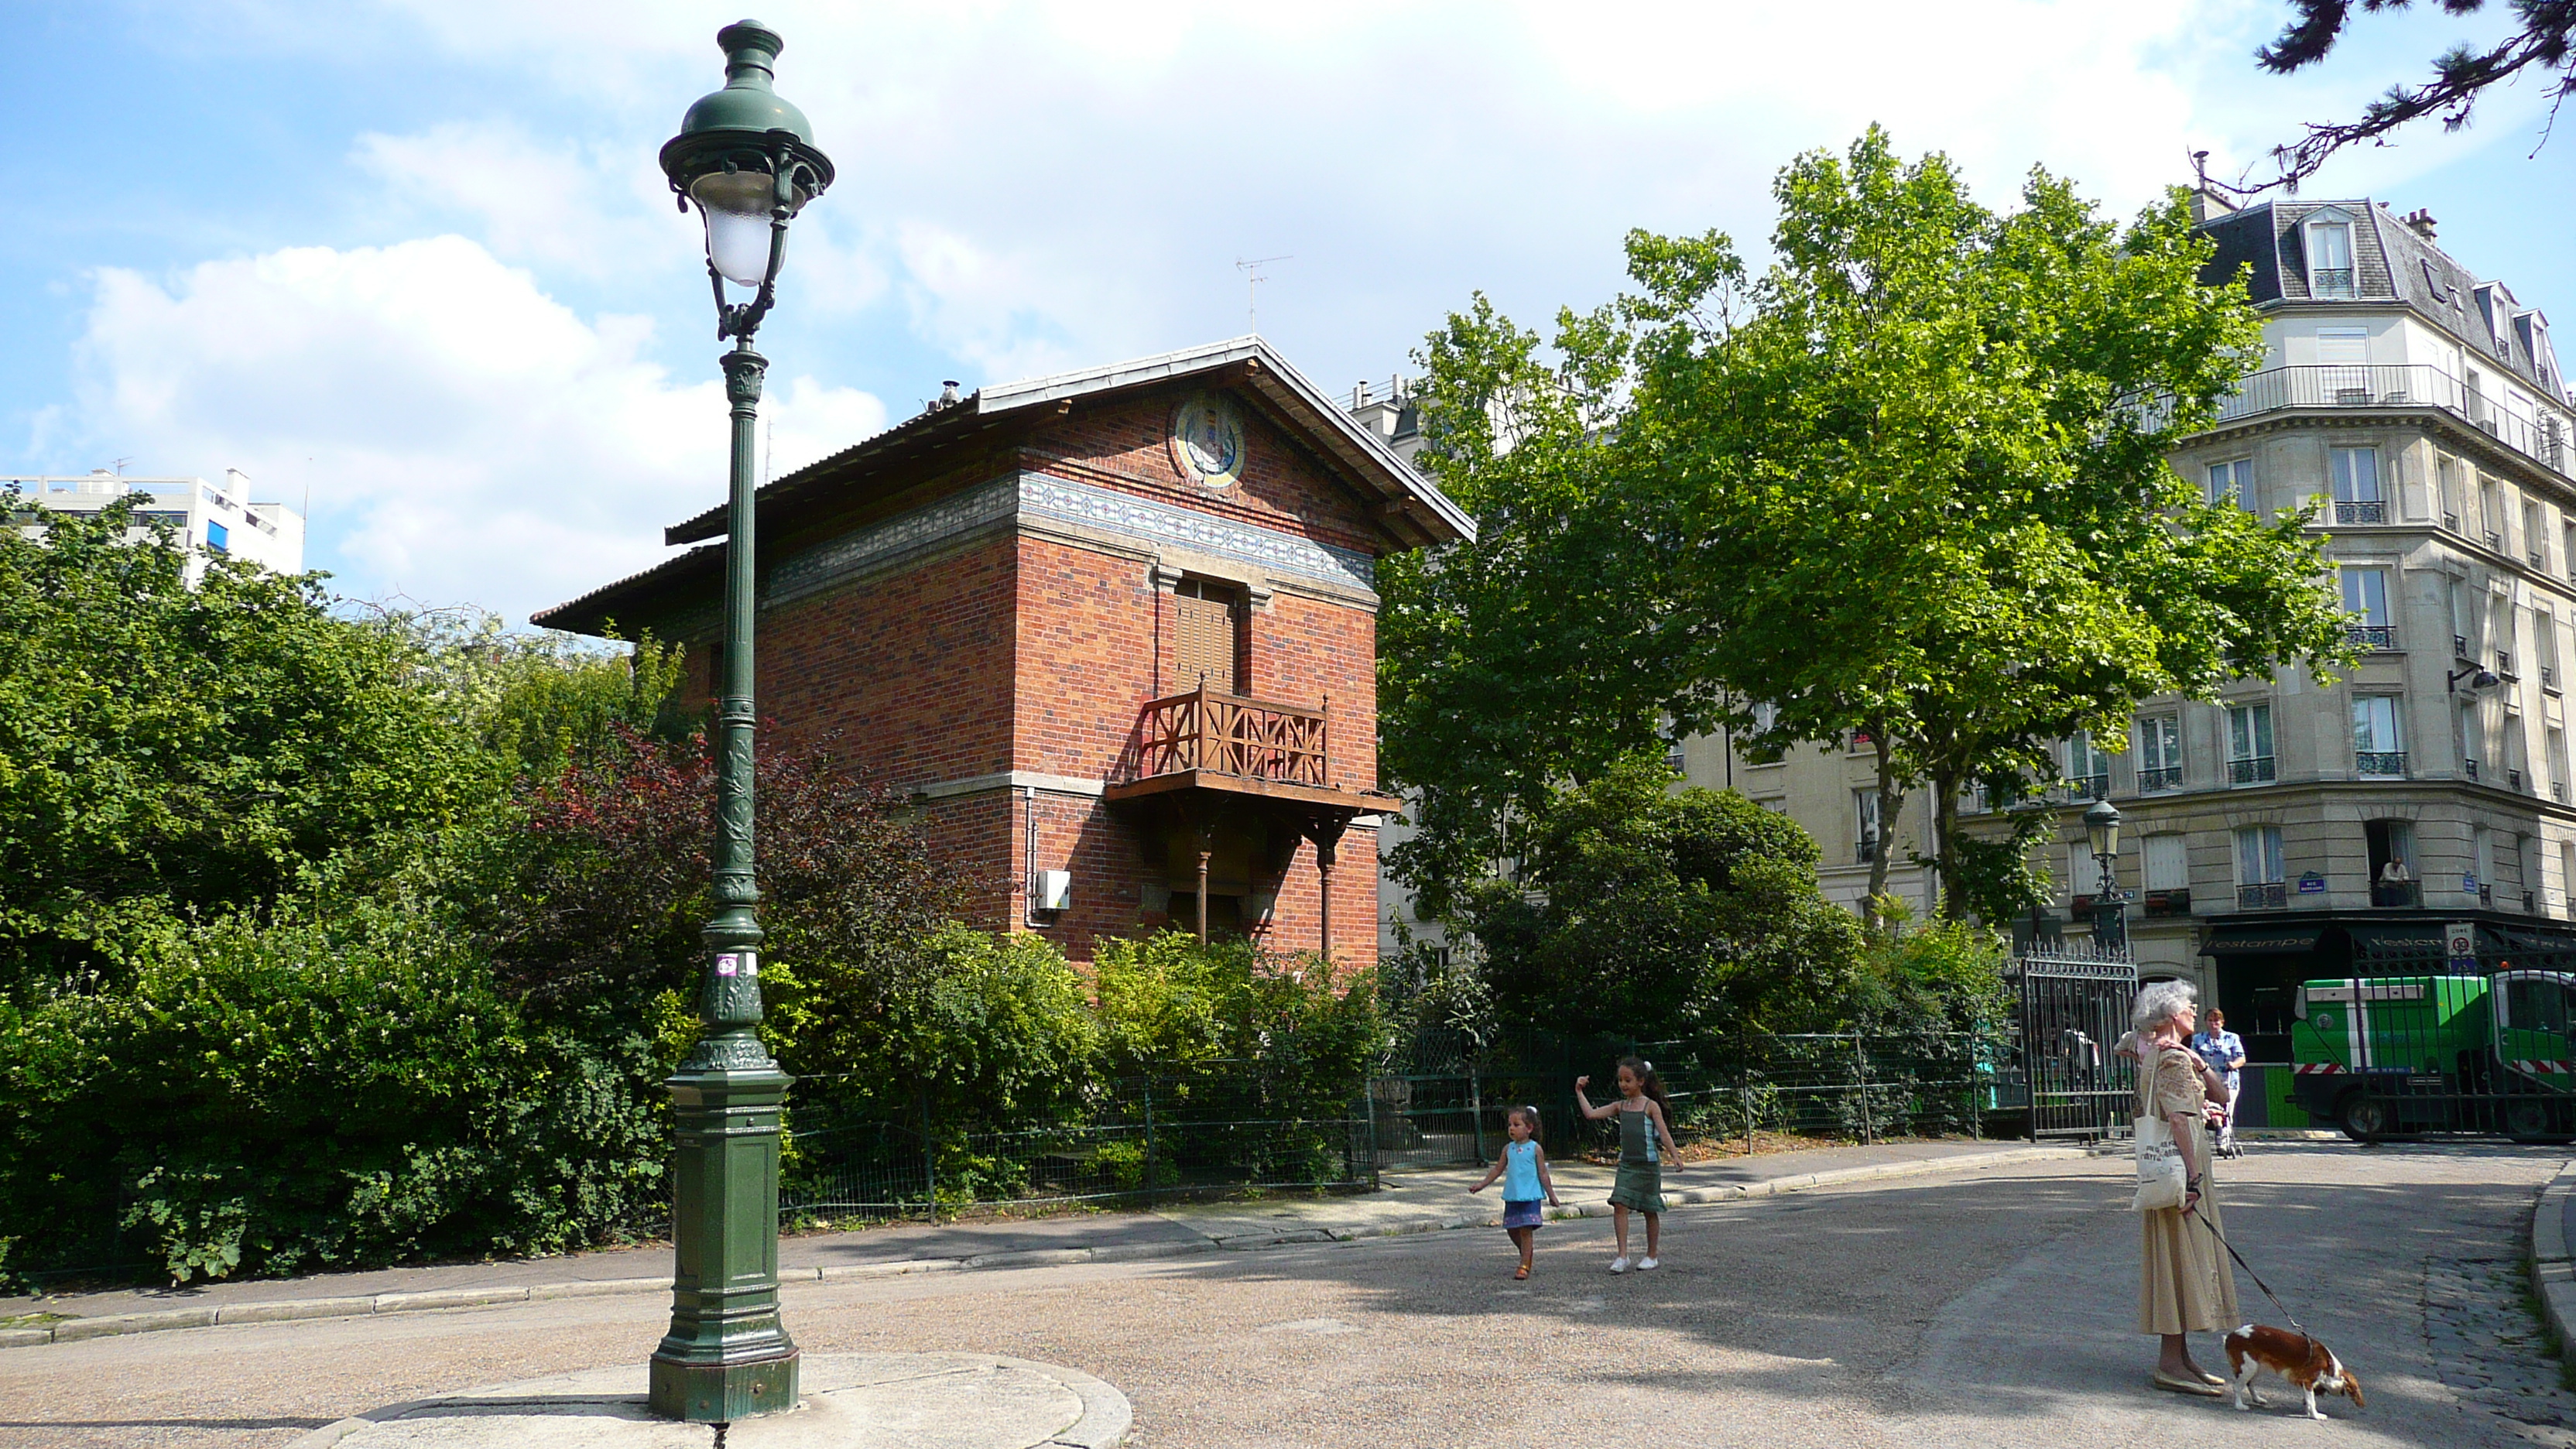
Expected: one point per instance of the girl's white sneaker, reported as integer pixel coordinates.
(1645, 1263)
(1619, 1264)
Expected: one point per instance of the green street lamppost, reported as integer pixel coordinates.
(747, 160)
(2110, 908)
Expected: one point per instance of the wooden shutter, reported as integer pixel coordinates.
(1205, 646)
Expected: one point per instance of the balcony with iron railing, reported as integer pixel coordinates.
(2268, 896)
(2085, 788)
(2254, 771)
(2513, 782)
(2371, 636)
(2361, 510)
(2174, 902)
(2158, 778)
(2396, 894)
(2330, 282)
(2380, 764)
(2535, 434)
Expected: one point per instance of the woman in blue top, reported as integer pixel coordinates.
(1523, 1169)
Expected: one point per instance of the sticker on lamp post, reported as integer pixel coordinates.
(738, 963)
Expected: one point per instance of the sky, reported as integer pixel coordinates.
(410, 265)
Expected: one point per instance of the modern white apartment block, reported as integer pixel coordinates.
(210, 518)
(2271, 835)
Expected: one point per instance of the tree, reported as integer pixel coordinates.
(1926, 479)
(1644, 911)
(1910, 484)
(170, 750)
(2544, 42)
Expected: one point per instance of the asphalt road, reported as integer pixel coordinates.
(1979, 1309)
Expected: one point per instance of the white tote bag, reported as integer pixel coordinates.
(2162, 1174)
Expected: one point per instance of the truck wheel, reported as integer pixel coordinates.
(2363, 1119)
(2526, 1121)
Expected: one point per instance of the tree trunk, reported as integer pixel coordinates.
(1891, 804)
(1945, 825)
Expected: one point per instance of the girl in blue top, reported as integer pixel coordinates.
(1523, 1169)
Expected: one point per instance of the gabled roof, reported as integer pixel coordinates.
(1410, 506)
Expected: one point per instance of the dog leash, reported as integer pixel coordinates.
(2250, 1273)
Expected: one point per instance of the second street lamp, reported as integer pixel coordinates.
(2110, 912)
(747, 159)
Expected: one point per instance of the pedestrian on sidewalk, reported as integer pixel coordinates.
(1526, 1183)
(1645, 1117)
(2224, 1051)
(2185, 1284)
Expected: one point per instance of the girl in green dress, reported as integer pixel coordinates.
(1645, 1118)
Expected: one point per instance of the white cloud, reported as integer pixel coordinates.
(468, 437)
(547, 203)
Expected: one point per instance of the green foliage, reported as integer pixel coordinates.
(167, 750)
(539, 701)
(1940, 978)
(1910, 481)
(993, 1029)
(1645, 913)
(2543, 41)
(333, 1086)
(1172, 1007)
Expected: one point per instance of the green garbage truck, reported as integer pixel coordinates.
(2383, 1055)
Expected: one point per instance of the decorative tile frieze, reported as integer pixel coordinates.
(1036, 495)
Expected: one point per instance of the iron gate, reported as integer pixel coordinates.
(2074, 1008)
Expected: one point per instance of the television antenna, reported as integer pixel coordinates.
(1252, 280)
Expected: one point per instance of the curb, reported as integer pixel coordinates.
(283, 1310)
(2553, 1275)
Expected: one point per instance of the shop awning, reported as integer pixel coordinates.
(2264, 940)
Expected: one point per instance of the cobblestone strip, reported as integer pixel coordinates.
(2488, 1349)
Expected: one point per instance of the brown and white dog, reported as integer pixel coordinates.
(2296, 1357)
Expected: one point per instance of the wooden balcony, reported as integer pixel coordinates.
(1210, 740)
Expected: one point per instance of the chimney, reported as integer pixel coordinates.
(2420, 222)
(237, 483)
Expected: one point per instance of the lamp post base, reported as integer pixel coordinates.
(727, 1356)
(724, 1390)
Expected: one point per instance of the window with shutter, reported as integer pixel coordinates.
(1204, 643)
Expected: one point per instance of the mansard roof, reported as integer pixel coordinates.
(2393, 263)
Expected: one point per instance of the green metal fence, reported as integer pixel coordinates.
(1209, 1133)
(1443, 1099)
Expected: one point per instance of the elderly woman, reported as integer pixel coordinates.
(2185, 1285)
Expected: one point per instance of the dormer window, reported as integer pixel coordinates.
(2330, 271)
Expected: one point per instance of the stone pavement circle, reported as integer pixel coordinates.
(851, 1401)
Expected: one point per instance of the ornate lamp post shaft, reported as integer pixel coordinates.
(747, 159)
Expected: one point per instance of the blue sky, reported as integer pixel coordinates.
(411, 258)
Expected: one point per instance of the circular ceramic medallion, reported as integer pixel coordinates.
(1207, 440)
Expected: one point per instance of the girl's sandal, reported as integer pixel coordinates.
(1523, 1273)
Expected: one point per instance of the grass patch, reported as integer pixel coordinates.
(32, 1320)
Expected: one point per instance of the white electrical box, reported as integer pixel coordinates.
(1055, 890)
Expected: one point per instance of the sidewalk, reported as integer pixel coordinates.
(1410, 1202)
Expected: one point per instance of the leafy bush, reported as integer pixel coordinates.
(330, 1088)
(167, 749)
(1646, 912)
(992, 1030)
(1286, 1025)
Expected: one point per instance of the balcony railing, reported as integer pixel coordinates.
(2330, 282)
(2397, 894)
(2161, 777)
(2495, 540)
(2549, 679)
(2272, 895)
(2469, 768)
(2175, 902)
(2539, 436)
(2372, 636)
(2451, 521)
(2460, 647)
(2088, 787)
(2255, 771)
(2558, 791)
(2380, 764)
(1865, 850)
(2361, 510)
(1227, 734)
(2504, 665)
(2513, 781)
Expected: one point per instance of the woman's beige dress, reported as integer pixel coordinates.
(2186, 1284)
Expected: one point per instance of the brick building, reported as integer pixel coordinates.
(1114, 631)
